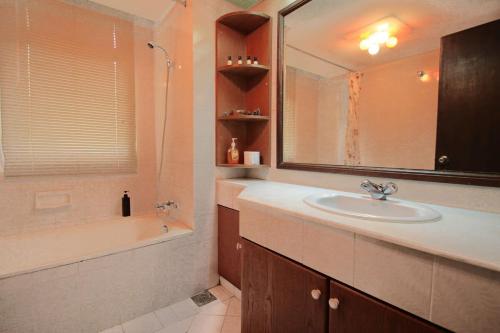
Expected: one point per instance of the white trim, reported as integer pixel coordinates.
(230, 287)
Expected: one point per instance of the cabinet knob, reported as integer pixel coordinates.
(238, 246)
(315, 294)
(334, 303)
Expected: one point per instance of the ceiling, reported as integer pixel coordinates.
(339, 22)
(153, 10)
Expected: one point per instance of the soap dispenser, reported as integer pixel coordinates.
(233, 156)
(125, 204)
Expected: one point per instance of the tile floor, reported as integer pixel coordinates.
(220, 316)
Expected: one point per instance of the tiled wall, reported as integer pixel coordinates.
(463, 196)
(174, 33)
(205, 13)
(93, 197)
(100, 293)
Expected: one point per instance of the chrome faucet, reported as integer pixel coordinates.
(379, 191)
(164, 206)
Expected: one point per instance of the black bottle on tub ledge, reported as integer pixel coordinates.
(125, 204)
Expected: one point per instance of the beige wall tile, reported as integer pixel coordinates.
(394, 274)
(275, 231)
(466, 298)
(329, 251)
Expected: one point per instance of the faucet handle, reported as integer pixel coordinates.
(389, 188)
(369, 186)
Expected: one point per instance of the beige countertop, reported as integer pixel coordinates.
(467, 236)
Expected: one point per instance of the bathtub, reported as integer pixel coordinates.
(90, 277)
(43, 249)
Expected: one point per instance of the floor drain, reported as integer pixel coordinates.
(203, 298)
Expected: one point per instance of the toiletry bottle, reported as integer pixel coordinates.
(233, 156)
(229, 60)
(125, 204)
(249, 60)
(255, 61)
(240, 60)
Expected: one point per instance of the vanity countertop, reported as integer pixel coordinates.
(463, 235)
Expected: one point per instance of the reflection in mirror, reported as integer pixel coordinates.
(361, 79)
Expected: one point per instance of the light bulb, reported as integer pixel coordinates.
(381, 37)
(391, 42)
(364, 44)
(373, 49)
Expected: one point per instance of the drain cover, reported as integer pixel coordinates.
(203, 298)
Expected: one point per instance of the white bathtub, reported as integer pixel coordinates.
(29, 252)
(89, 277)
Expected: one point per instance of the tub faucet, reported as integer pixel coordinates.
(164, 206)
(379, 191)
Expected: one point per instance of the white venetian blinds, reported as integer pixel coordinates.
(66, 90)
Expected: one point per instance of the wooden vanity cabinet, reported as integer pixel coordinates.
(229, 245)
(277, 294)
(357, 312)
(281, 296)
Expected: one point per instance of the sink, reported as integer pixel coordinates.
(365, 207)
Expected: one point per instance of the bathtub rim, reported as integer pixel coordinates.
(177, 229)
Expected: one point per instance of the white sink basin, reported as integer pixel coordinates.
(365, 207)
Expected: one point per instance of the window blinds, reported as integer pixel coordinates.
(66, 90)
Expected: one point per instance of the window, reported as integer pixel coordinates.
(66, 90)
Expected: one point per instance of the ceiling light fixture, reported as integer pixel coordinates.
(385, 32)
(372, 40)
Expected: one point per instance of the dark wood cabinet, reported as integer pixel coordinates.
(281, 296)
(354, 311)
(229, 245)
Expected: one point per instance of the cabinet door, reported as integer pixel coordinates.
(356, 312)
(229, 245)
(277, 294)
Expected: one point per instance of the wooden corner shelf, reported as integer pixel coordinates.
(243, 87)
(244, 22)
(244, 118)
(242, 166)
(244, 70)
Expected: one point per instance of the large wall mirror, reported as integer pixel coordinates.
(391, 88)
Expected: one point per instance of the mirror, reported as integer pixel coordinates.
(392, 87)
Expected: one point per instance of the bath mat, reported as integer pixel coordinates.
(203, 298)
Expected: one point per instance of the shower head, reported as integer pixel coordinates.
(153, 45)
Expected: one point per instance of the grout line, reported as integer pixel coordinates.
(354, 259)
(157, 318)
(433, 279)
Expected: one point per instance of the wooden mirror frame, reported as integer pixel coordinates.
(480, 179)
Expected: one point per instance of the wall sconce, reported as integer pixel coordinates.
(423, 76)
